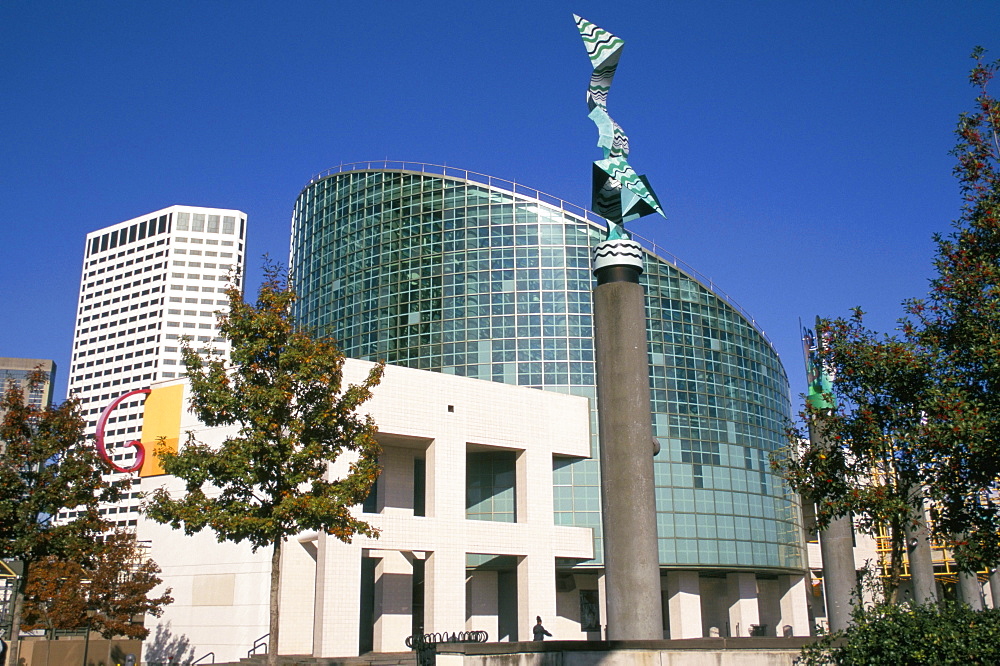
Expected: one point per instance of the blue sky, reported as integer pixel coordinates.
(799, 149)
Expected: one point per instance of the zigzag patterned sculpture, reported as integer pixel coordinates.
(620, 194)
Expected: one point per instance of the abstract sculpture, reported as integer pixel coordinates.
(619, 194)
(140, 451)
(621, 359)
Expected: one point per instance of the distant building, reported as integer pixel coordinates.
(16, 371)
(146, 283)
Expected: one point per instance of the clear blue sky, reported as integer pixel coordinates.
(800, 149)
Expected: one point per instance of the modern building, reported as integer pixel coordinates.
(442, 269)
(456, 454)
(16, 370)
(146, 283)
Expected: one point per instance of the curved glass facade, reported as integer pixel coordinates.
(445, 270)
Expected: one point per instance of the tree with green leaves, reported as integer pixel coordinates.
(45, 469)
(916, 414)
(958, 326)
(861, 460)
(283, 387)
(114, 584)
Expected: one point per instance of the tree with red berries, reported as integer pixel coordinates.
(958, 327)
(915, 414)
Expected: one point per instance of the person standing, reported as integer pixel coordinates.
(539, 631)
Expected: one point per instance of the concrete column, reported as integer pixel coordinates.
(602, 603)
(631, 558)
(840, 578)
(684, 593)
(918, 552)
(444, 590)
(533, 478)
(536, 593)
(297, 596)
(743, 608)
(970, 591)
(482, 607)
(794, 605)
(445, 480)
(393, 601)
(995, 587)
(336, 630)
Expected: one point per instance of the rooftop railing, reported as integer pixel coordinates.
(530, 193)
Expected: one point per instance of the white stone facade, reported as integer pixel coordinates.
(432, 561)
(221, 590)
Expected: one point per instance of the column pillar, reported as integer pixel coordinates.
(393, 601)
(482, 603)
(444, 591)
(918, 552)
(336, 632)
(970, 591)
(743, 608)
(536, 593)
(794, 605)
(297, 596)
(684, 605)
(995, 587)
(631, 558)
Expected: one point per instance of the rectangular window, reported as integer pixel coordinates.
(228, 224)
(490, 486)
(182, 221)
(213, 224)
(198, 222)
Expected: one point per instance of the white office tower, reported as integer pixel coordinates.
(147, 283)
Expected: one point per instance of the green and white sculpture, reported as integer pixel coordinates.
(621, 360)
(620, 194)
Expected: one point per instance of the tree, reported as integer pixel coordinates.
(864, 463)
(918, 411)
(958, 325)
(45, 469)
(272, 480)
(115, 585)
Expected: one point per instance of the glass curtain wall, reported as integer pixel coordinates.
(447, 274)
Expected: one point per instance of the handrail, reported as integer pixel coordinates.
(257, 644)
(209, 654)
(530, 193)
